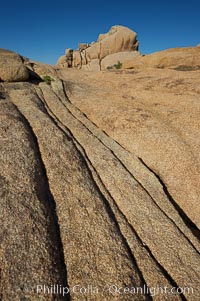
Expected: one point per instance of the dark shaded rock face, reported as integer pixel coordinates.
(99, 187)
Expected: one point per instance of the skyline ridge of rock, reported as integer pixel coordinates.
(113, 50)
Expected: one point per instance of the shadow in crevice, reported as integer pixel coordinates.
(2, 92)
(2, 95)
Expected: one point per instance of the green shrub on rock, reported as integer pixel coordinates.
(48, 79)
(118, 65)
(115, 66)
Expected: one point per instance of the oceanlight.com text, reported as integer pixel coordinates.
(111, 289)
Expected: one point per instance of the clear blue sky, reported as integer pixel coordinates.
(42, 30)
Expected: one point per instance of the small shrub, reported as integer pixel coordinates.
(48, 79)
(118, 65)
(115, 66)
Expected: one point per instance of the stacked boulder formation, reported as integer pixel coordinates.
(111, 48)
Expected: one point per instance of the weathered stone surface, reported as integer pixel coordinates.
(68, 52)
(118, 39)
(82, 46)
(101, 187)
(41, 69)
(65, 60)
(15, 68)
(94, 65)
(62, 61)
(187, 58)
(12, 68)
(112, 59)
(77, 59)
(145, 128)
(93, 52)
(30, 251)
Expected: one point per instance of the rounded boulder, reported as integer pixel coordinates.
(12, 68)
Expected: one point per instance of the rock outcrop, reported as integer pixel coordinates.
(120, 45)
(67, 59)
(16, 68)
(110, 60)
(185, 59)
(118, 40)
(100, 186)
(39, 70)
(12, 68)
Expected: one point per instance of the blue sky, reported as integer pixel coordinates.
(42, 30)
